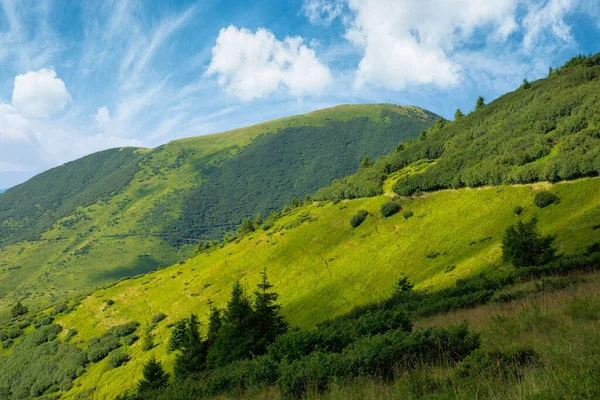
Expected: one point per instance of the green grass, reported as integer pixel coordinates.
(120, 234)
(322, 268)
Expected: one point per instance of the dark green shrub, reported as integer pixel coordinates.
(12, 332)
(7, 343)
(45, 334)
(58, 309)
(518, 210)
(130, 339)
(544, 198)
(376, 356)
(118, 358)
(594, 248)
(524, 246)
(156, 318)
(358, 218)
(109, 302)
(18, 309)
(390, 208)
(408, 214)
(24, 324)
(43, 321)
(122, 330)
(71, 333)
(506, 363)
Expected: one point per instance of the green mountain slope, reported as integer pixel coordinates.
(322, 267)
(548, 130)
(128, 211)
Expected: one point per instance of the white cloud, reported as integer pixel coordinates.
(253, 65)
(406, 42)
(13, 126)
(39, 94)
(322, 12)
(102, 116)
(548, 16)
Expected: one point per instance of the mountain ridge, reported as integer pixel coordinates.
(118, 213)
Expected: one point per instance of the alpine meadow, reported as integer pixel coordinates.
(359, 251)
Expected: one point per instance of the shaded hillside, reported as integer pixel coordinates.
(129, 211)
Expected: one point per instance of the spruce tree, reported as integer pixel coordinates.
(458, 114)
(267, 316)
(366, 162)
(234, 341)
(192, 357)
(148, 339)
(524, 246)
(154, 376)
(480, 103)
(214, 324)
(18, 309)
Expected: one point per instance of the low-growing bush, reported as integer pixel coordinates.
(390, 208)
(43, 321)
(130, 339)
(7, 343)
(358, 218)
(118, 358)
(109, 302)
(504, 363)
(544, 198)
(156, 318)
(408, 214)
(377, 356)
(594, 248)
(71, 333)
(518, 210)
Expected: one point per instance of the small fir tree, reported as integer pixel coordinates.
(154, 376)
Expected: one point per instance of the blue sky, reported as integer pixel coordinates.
(80, 76)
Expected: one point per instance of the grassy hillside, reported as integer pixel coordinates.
(128, 211)
(322, 267)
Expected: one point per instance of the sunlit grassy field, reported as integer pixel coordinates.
(322, 267)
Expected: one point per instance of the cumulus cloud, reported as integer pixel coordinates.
(405, 42)
(39, 94)
(252, 65)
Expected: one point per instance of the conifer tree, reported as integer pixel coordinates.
(524, 246)
(258, 221)
(148, 340)
(366, 162)
(458, 114)
(480, 103)
(214, 324)
(192, 357)
(154, 376)
(234, 341)
(267, 315)
(18, 309)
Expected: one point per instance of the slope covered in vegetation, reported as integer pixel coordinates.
(128, 211)
(548, 130)
(322, 267)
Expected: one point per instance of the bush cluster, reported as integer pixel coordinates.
(390, 208)
(544, 198)
(358, 218)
